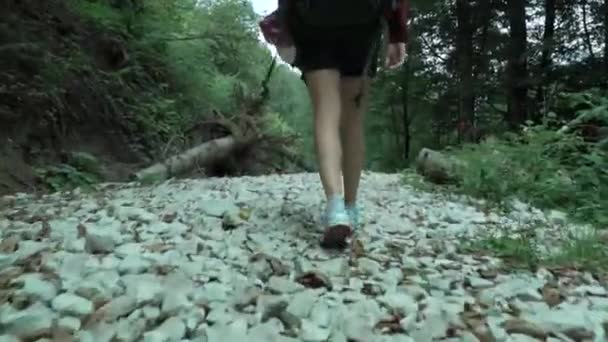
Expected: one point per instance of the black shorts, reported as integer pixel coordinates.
(350, 57)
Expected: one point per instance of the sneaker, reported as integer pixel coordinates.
(354, 216)
(337, 224)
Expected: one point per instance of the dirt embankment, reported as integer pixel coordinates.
(56, 95)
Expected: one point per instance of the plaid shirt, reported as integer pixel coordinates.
(275, 34)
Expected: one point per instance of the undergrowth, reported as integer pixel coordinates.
(80, 170)
(548, 167)
(587, 252)
(543, 166)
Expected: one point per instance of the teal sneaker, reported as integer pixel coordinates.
(337, 224)
(354, 216)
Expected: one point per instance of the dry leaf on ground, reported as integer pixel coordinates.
(9, 244)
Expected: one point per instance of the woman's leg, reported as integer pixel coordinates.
(324, 88)
(354, 103)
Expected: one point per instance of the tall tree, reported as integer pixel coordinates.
(605, 37)
(547, 53)
(517, 64)
(405, 118)
(464, 53)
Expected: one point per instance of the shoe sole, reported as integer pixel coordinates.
(335, 237)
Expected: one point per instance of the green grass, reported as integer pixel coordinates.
(547, 169)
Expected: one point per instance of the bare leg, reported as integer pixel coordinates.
(324, 89)
(351, 127)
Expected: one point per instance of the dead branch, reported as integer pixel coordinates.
(203, 154)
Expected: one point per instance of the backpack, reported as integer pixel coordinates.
(333, 19)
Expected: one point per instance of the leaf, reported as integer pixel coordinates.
(552, 295)
(520, 326)
(82, 230)
(357, 250)
(245, 213)
(9, 245)
(390, 325)
(169, 217)
(159, 247)
(314, 280)
(488, 273)
(45, 231)
(278, 268)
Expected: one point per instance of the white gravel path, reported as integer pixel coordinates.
(234, 260)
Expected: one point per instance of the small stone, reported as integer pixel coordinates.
(71, 304)
(217, 207)
(130, 330)
(194, 318)
(301, 303)
(151, 312)
(11, 338)
(468, 337)
(334, 267)
(144, 288)
(33, 322)
(231, 220)
(246, 296)
(562, 320)
(99, 286)
(69, 323)
(369, 266)
(313, 333)
(173, 329)
(283, 285)
(519, 326)
(133, 264)
(521, 338)
(37, 288)
(400, 303)
(588, 290)
(267, 331)
(233, 332)
(599, 303)
(479, 283)
(99, 244)
(174, 302)
(119, 307)
(320, 314)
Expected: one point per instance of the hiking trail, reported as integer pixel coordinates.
(238, 259)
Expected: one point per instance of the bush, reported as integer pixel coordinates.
(547, 168)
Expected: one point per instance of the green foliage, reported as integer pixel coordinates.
(517, 250)
(65, 177)
(523, 250)
(543, 166)
(187, 60)
(80, 170)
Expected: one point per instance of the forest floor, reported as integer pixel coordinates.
(238, 259)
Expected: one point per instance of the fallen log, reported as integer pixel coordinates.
(202, 154)
(437, 167)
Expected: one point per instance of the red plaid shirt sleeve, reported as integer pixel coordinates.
(274, 30)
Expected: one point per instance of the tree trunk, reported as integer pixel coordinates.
(464, 51)
(483, 20)
(606, 37)
(405, 107)
(587, 37)
(200, 155)
(517, 66)
(546, 60)
(437, 167)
